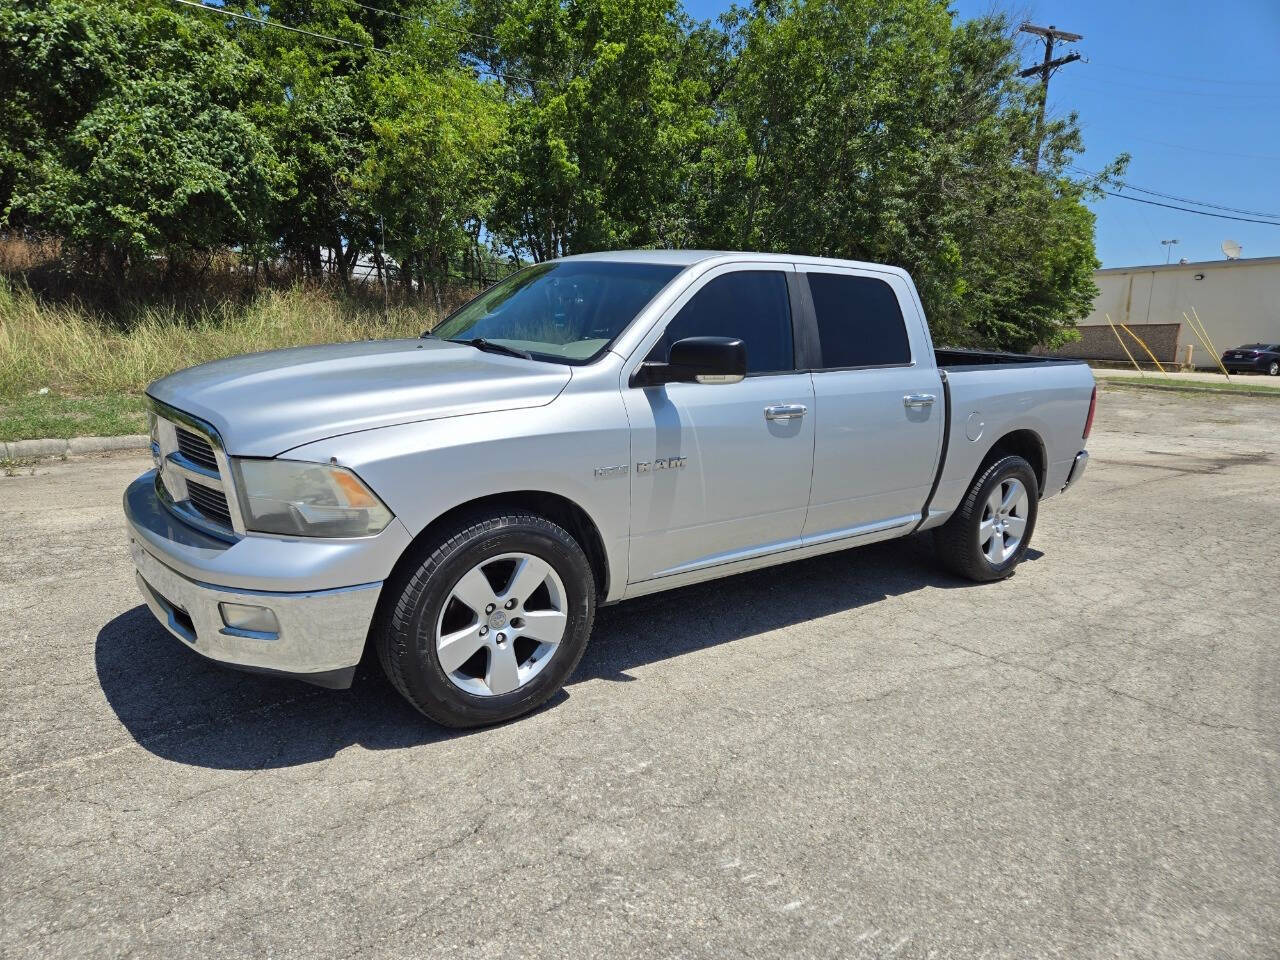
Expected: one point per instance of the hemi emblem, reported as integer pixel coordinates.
(669, 463)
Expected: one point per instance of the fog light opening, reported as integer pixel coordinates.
(249, 619)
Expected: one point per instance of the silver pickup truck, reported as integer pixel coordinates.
(589, 430)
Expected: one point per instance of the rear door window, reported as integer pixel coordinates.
(859, 321)
(750, 304)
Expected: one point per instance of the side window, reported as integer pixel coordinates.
(751, 304)
(859, 321)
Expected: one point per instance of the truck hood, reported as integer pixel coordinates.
(266, 403)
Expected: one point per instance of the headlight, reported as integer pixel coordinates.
(300, 499)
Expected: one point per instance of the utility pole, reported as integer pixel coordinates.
(1045, 69)
(382, 267)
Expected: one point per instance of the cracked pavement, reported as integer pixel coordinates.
(853, 756)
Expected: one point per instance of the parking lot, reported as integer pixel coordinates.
(853, 756)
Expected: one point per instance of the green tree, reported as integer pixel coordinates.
(884, 131)
(461, 130)
(598, 138)
(430, 170)
(357, 107)
(131, 134)
(317, 118)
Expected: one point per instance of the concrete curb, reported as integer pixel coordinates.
(43, 449)
(1188, 386)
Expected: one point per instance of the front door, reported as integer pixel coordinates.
(720, 472)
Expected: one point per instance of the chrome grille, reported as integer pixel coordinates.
(211, 503)
(195, 448)
(193, 477)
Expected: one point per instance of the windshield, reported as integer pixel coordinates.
(568, 311)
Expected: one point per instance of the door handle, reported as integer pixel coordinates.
(785, 411)
(918, 400)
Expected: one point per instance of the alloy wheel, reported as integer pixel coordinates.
(501, 625)
(1004, 521)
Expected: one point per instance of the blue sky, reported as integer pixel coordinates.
(1190, 89)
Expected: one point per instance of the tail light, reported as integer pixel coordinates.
(1093, 405)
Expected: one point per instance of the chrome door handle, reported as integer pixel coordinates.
(918, 400)
(785, 411)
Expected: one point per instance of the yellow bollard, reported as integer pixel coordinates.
(1204, 339)
(1123, 347)
(1216, 355)
(1146, 348)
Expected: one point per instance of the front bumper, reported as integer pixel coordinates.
(321, 627)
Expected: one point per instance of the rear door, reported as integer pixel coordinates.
(720, 472)
(878, 404)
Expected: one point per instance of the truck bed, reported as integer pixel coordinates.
(989, 395)
(957, 358)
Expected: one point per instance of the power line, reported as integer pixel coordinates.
(1142, 92)
(1169, 196)
(1221, 153)
(1184, 78)
(1183, 146)
(219, 11)
(440, 26)
(457, 31)
(1203, 213)
(281, 26)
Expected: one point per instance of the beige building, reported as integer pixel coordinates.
(1238, 300)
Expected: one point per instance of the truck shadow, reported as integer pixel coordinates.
(183, 708)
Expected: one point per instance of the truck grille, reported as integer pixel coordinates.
(195, 448)
(190, 477)
(210, 503)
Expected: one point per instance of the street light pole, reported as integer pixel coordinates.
(1168, 249)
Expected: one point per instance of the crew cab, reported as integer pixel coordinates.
(589, 430)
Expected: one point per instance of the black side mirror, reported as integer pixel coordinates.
(697, 360)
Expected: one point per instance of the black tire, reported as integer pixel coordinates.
(1274, 369)
(957, 541)
(404, 633)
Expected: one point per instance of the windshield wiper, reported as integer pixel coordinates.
(488, 346)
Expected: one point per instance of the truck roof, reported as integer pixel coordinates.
(686, 258)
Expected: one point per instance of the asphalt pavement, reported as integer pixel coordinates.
(856, 756)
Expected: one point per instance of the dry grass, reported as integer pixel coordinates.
(75, 350)
(20, 254)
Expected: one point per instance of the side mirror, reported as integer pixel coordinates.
(697, 360)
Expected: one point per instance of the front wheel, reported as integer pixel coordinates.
(1274, 369)
(488, 620)
(988, 535)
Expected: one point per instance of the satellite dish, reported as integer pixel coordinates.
(1232, 249)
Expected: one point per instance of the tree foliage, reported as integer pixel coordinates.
(616, 109)
(428, 136)
(130, 134)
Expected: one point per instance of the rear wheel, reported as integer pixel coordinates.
(988, 535)
(489, 621)
(1274, 369)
